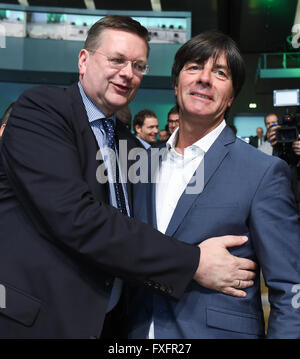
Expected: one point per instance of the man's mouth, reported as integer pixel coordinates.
(202, 95)
(121, 88)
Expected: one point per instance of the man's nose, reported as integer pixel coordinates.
(205, 76)
(127, 70)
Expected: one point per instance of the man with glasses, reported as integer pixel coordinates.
(173, 119)
(66, 234)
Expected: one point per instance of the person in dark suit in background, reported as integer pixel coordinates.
(173, 119)
(66, 234)
(257, 140)
(210, 183)
(163, 136)
(125, 116)
(145, 125)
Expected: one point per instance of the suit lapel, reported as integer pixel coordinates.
(155, 158)
(89, 148)
(212, 161)
(128, 143)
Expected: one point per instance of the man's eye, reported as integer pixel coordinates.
(139, 66)
(221, 74)
(117, 61)
(193, 68)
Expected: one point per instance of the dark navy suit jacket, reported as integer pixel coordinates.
(245, 193)
(61, 243)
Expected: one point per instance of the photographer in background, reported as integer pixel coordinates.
(290, 152)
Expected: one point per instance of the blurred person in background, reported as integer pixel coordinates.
(289, 152)
(173, 119)
(271, 120)
(257, 140)
(145, 126)
(125, 116)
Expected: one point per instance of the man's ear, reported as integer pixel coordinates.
(83, 58)
(137, 129)
(230, 101)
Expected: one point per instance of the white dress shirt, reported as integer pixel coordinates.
(144, 143)
(174, 174)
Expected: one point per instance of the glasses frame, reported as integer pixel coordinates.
(109, 58)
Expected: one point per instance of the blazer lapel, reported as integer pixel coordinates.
(128, 143)
(212, 160)
(90, 146)
(155, 158)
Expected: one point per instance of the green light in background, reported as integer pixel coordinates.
(253, 4)
(252, 105)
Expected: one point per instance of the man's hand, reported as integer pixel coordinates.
(221, 271)
(272, 135)
(296, 147)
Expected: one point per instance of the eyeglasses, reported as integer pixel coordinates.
(138, 67)
(173, 121)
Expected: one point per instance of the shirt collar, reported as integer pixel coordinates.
(144, 143)
(93, 112)
(204, 143)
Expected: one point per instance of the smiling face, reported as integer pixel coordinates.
(204, 91)
(109, 88)
(149, 130)
(173, 122)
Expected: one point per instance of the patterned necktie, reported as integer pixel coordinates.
(108, 127)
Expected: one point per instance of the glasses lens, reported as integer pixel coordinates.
(117, 62)
(140, 68)
(145, 69)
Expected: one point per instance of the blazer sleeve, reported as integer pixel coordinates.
(275, 230)
(42, 163)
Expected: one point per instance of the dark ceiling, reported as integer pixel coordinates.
(257, 25)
